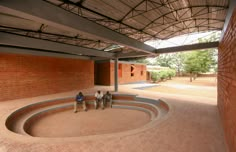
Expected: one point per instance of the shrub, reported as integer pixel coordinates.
(171, 73)
(155, 76)
(163, 74)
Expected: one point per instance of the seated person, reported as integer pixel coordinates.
(107, 98)
(79, 100)
(99, 99)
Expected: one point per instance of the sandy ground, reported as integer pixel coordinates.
(192, 125)
(92, 122)
(202, 86)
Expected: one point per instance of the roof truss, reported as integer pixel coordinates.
(41, 11)
(7, 39)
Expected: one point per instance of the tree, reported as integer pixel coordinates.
(198, 62)
(191, 65)
(172, 60)
(165, 60)
(201, 61)
(142, 60)
(139, 60)
(178, 62)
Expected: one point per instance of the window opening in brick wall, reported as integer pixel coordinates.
(141, 70)
(132, 70)
(120, 70)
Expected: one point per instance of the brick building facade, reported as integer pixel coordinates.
(227, 83)
(127, 72)
(23, 76)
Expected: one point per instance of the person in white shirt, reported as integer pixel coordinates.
(99, 99)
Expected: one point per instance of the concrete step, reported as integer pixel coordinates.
(21, 119)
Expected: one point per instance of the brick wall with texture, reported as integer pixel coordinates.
(127, 73)
(23, 76)
(227, 83)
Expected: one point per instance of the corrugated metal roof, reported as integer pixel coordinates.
(150, 19)
(142, 20)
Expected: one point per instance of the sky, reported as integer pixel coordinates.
(179, 40)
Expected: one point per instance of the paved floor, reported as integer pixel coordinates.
(192, 125)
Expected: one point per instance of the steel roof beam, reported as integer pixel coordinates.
(18, 50)
(220, 8)
(189, 47)
(27, 42)
(46, 13)
(232, 6)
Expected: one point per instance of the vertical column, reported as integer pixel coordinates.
(116, 74)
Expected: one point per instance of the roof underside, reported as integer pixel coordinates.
(142, 20)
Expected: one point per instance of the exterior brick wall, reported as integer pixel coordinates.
(227, 83)
(126, 73)
(105, 75)
(23, 76)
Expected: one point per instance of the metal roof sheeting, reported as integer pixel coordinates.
(142, 20)
(150, 19)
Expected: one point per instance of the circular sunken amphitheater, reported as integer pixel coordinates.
(55, 118)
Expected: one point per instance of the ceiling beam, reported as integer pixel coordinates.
(48, 14)
(232, 6)
(27, 42)
(17, 50)
(192, 47)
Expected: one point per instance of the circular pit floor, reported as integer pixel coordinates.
(93, 122)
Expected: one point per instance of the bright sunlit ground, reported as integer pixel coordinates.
(202, 86)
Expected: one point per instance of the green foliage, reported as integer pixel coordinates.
(155, 76)
(171, 73)
(163, 74)
(190, 62)
(199, 61)
(164, 60)
(202, 61)
(139, 60)
(171, 60)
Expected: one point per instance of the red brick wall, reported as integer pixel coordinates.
(105, 73)
(126, 73)
(227, 83)
(24, 76)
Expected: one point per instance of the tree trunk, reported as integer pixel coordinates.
(195, 76)
(191, 77)
(178, 72)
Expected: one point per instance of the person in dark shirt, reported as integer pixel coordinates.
(79, 100)
(107, 98)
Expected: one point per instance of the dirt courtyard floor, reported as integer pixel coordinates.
(192, 123)
(202, 86)
(92, 122)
